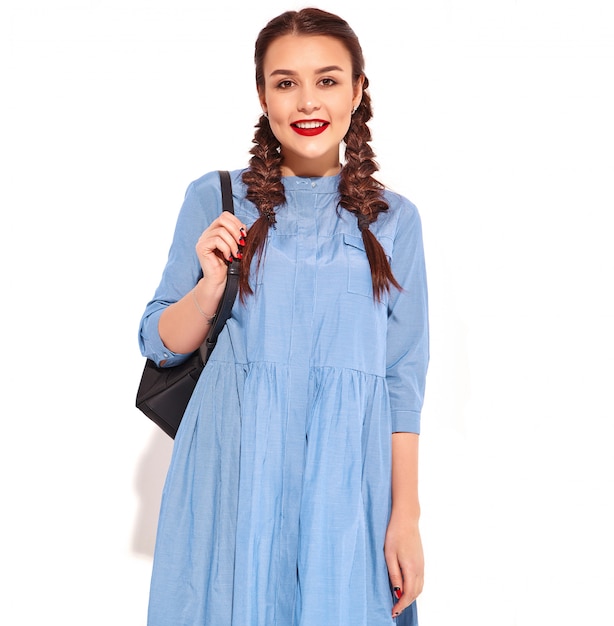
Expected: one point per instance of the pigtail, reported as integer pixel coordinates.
(362, 194)
(265, 189)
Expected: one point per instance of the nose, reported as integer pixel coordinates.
(308, 101)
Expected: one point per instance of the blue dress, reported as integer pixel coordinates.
(277, 498)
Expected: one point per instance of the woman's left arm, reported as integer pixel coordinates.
(407, 355)
(403, 546)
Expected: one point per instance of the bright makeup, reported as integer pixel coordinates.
(309, 128)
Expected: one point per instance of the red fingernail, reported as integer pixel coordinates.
(230, 259)
(397, 592)
(241, 241)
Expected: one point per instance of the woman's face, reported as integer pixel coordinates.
(309, 95)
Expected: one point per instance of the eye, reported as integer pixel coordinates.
(328, 82)
(285, 84)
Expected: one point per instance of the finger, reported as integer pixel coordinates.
(236, 228)
(404, 601)
(220, 240)
(396, 576)
(405, 616)
(233, 231)
(412, 587)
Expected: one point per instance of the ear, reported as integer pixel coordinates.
(358, 91)
(262, 100)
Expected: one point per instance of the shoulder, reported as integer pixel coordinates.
(208, 185)
(402, 215)
(400, 205)
(206, 193)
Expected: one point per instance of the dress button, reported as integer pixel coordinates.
(314, 184)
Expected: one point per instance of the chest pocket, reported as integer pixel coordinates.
(359, 270)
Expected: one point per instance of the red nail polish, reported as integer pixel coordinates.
(230, 259)
(397, 592)
(242, 241)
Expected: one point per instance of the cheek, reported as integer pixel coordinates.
(276, 122)
(278, 127)
(343, 106)
(343, 112)
(275, 114)
(278, 115)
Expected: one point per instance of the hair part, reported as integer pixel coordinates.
(360, 193)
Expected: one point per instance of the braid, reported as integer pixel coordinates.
(362, 194)
(266, 191)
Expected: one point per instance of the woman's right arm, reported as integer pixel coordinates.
(172, 326)
(184, 324)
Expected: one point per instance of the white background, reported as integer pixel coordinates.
(494, 117)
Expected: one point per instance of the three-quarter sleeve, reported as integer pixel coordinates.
(201, 205)
(407, 351)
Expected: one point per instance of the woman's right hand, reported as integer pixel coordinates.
(184, 324)
(222, 241)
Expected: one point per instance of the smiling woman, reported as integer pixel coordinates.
(292, 498)
(311, 98)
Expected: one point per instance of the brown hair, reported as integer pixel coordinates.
(359, 192)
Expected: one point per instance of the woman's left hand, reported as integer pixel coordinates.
(405, 561)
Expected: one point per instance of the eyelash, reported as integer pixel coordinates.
(286, 84)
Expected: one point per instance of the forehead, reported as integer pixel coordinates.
(304, 53)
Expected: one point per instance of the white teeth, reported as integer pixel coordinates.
(309, 124)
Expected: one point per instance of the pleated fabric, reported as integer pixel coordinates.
(277, 498)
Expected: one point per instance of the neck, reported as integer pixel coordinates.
(310, 168)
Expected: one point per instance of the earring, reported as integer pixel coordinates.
(265, 114)
(354, 110)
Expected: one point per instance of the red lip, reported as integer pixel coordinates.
(309, 132)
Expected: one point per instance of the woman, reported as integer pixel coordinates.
(291, 498)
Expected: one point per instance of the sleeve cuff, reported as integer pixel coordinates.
(406, 422)
(153, 348)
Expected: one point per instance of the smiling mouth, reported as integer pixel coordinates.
(309, 128)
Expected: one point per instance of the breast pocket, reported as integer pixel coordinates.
(359, 270)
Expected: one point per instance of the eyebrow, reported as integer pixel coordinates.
(322, 70)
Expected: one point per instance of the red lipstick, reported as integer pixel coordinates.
(309, 128)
